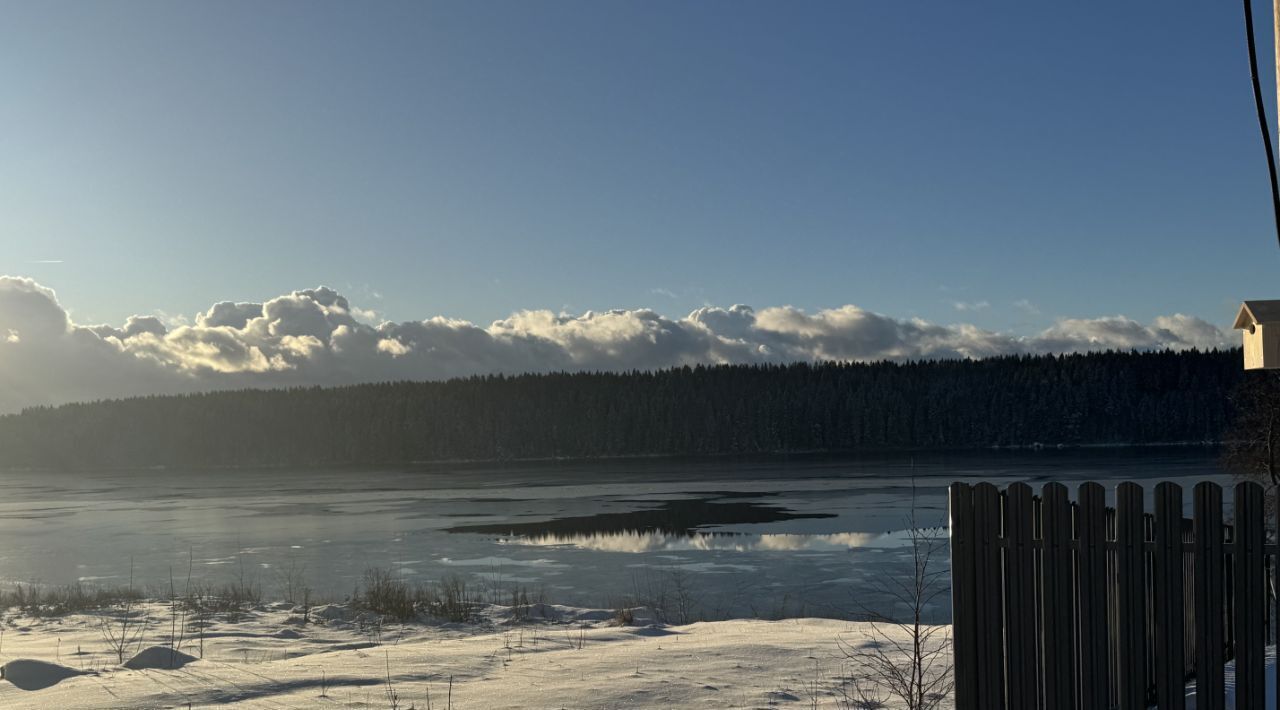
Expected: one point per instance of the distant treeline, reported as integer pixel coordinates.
(1100, 398)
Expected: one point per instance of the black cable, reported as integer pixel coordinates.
(1262, 114)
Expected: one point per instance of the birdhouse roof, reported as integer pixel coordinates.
(1252, 312)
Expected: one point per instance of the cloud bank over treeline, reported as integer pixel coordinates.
(313, 336)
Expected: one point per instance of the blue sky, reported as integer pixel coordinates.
(475, 159)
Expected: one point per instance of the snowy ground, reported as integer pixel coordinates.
(573, 658)
(1230, 678)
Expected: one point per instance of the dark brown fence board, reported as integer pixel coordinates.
(1209, 571)
(1250, 633)
(1058, 603)
(1167, 585)
(1021, 640)
(1188, 598)
(1091, 521)
(1037, 508)
(990, 604)
(964, 613)
(1131, 590)
(1113, 611)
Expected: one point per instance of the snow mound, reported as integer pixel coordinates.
(28, 674)
(654, 630)
(161, 657)
(331, 612)
(531, 612)
(635, 616)
(594, 615)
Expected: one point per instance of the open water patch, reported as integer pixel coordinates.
(673, 517)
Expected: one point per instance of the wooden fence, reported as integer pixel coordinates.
(1072, 605)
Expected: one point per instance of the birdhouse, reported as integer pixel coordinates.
(1260, 321)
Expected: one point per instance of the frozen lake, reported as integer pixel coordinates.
(779, 536)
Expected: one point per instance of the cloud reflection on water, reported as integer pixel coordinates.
(635, 541)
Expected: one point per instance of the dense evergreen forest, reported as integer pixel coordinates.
(1100, 398)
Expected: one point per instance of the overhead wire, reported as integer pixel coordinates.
(1262, 114)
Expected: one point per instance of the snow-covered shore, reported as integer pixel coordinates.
(561, 658)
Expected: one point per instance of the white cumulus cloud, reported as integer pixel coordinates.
(315, 336)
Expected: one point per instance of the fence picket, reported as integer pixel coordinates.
(1019, 576)
(964, 614)
(1131, 607)
(988, 587)
(1058, 604)
(1209, 566)
(1250, 597)
(1167, 570)
(1092, 525)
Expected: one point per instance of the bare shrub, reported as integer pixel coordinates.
(228, 598)
(34, 599)
(196, 608)
(393, 696)
(386, 594)
(684, 597)
(669, 593)
(856, 693)
(906, 657)
(120, 630)
(623, 617)
(451, 600)
(292, 579)
(519, 604)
